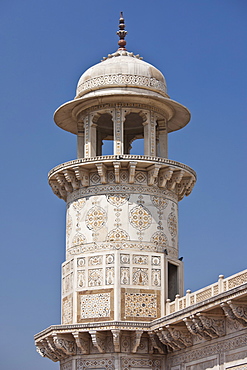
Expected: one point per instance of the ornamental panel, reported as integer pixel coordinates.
(95, 218)
(95, 305)
(140, 305)
(117, 199)
(140, 217)
(172, 224)
(160, 239)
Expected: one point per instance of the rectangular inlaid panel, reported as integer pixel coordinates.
(95, 305)
(140, 304)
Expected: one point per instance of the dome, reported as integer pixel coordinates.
(121, 70)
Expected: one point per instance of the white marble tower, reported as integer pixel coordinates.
(122, 265)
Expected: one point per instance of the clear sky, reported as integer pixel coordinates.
(201, 48)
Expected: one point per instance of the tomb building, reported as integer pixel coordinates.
(123, 302)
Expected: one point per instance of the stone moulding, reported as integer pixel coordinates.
(162, 173)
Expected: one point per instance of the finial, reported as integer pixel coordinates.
(121, 33)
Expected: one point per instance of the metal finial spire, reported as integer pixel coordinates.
(121, 33)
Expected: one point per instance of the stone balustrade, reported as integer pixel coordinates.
(222, 285)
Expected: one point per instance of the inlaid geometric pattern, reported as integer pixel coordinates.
(125, 275)
(67, 310)
(159, 202)
(117, 235)
(95, 260)
(68, 223)
(159, 238)
(140, 217)
(117, 199)
(95, 277)
(81, 279)
(100, 364)
(95, 218)
(140, 363)
(140, 177)
(95, 305)
(156, 277)
(124, 258)
(79, 204)
(140, 259)
(109, 276)
(172, 224)
(140, 276)
(95, 178)
(78, 239)
(140, 305)
(155, 260)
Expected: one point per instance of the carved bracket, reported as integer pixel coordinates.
(102, 171)
(58, 190)
(180, 335)
(175, 179)
(70, 177)
(117, 166)
(153, 173)
(132, 169)
(214, 325)
(116, 336)
(98, 340)
(68, 347)
(63, 182)
(156, 343)
(164, 176)
(239, 309)
(82, 175)
(135, 340)
(82, 341)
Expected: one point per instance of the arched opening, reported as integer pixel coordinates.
(105, 135)
(133, 134)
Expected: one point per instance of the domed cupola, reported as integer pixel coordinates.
(122, 77)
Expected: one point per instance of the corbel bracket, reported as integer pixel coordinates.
(82, 175)
(102, 171)
(132, 169)
(135, 340)
(98, 340)
(82, 341)
(153, 173)
(164, 176)
(117, 166)
(70, 177)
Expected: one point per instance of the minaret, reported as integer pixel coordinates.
(122, 260)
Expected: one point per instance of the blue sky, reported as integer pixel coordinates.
(201, 48)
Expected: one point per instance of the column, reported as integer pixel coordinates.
(162, 144)
(150, 135)
(118, 131)
(80, 140)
